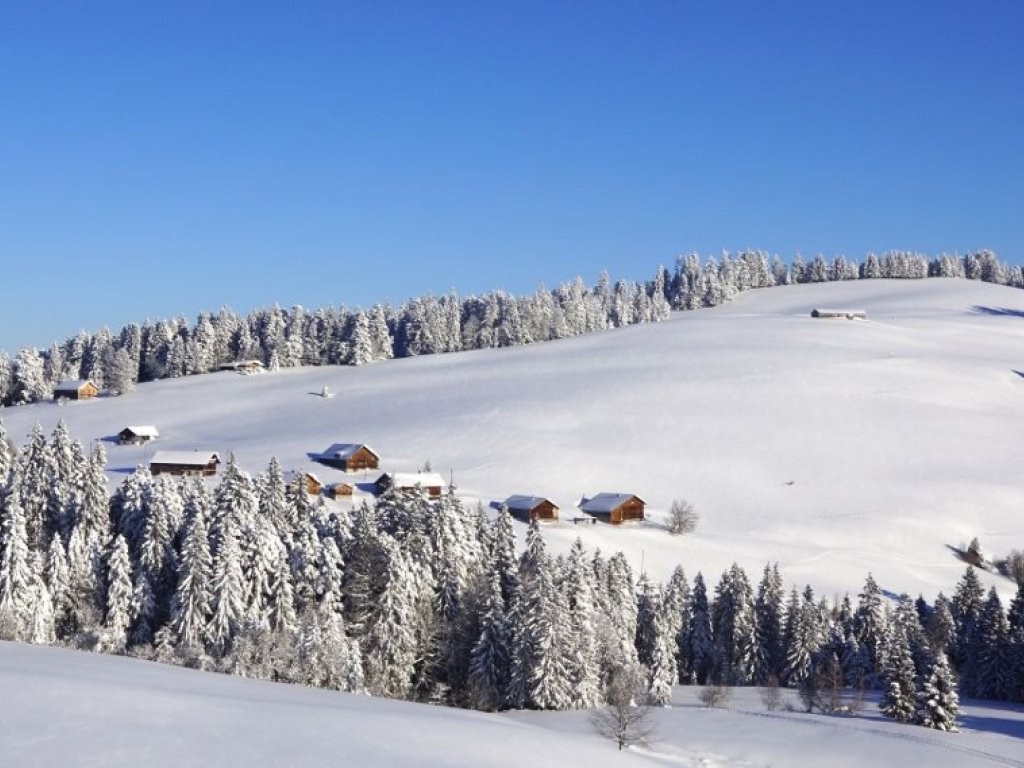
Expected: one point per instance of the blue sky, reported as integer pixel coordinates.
(159, 159)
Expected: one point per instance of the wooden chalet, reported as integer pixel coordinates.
(137, 435)
(406, 482)
(305, 480)
(340, 490)
(350, 457)
(847, 314)
(201, 463)
(614, 507)
(80, 389)
(530, 508)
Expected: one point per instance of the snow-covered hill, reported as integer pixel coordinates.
(835, 447)
(63, 708)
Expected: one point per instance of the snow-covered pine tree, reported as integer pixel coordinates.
(489, 659)
(190, 608)
(769, 614)
(389, 643)
(937, 704)
(898, 685)
(17, 576)
(120, 604)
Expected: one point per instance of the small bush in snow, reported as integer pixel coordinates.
(682, 517)
(714, 696)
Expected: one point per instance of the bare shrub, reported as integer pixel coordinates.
(771, 694)
(1013, 566)
(714, 696)
(682, 517)
(623, 719)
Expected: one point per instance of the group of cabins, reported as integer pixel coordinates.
(614, 508)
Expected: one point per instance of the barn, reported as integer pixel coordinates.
(614, 507)
(79, 389)
(406, 482)
(202, 463)
(137, 435)
(350, 457)
(530, 508)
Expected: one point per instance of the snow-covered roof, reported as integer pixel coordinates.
(519, 502)
(603, 503)
(295, 474)
(72, 386)
(412, 479)
(191, 458)
(345, 450)
(143, 430)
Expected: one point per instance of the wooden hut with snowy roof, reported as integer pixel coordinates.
(200, 463)
(614, 507)
(406, 482)
(350, 457)
(137, 435)
(340, 490)
(78, 389)
(530, 508)
(304, 480)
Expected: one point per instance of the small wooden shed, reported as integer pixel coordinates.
(530, 508)
(201, 463)
(406, 482)
(137, 435)
(615, 507)
(243, 366)
(79, 389)
(350, 457)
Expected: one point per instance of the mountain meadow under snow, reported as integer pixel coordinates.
(64, 707)
(833, 447)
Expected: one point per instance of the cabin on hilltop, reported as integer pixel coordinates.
(137, 435)
(848, 314)
(200, 463)
(79, 389)
(530, 508)
(340, 490)
(350, 457)
(406, 482)
(614, 507)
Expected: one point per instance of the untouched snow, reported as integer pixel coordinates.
(835, 447)
(63, 707)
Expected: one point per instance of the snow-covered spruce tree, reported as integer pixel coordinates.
(120, 608)
(389, 644)
(678, 603)
(17, 577)
(802, 639)
(899, 689)
(489, 664)
(702, 646)
(940, 630)
(937, 703)
(228, 601)
(869, 620)
(584, 670)
(987, 671)
(663, 670)
(769, 612)
(190, 608)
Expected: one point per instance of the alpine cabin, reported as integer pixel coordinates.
(614, 507)
(406, 482)
(350, 457)
(200, 463)
(81, 389)
(137, 435)
(530, 508)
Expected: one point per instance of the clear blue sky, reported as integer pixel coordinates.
(163, 158)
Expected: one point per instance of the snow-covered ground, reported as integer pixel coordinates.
(65, 708)
(835, 447)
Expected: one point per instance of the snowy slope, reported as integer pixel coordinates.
(835, 447)
(63, 708)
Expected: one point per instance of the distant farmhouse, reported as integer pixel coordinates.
(405, 482)
(530, 508)
(350, 457)
(306, 480)
(137, 435)
(80, 389)
(243, 366)
(614, 507)
(201, 463)
(847, 314)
